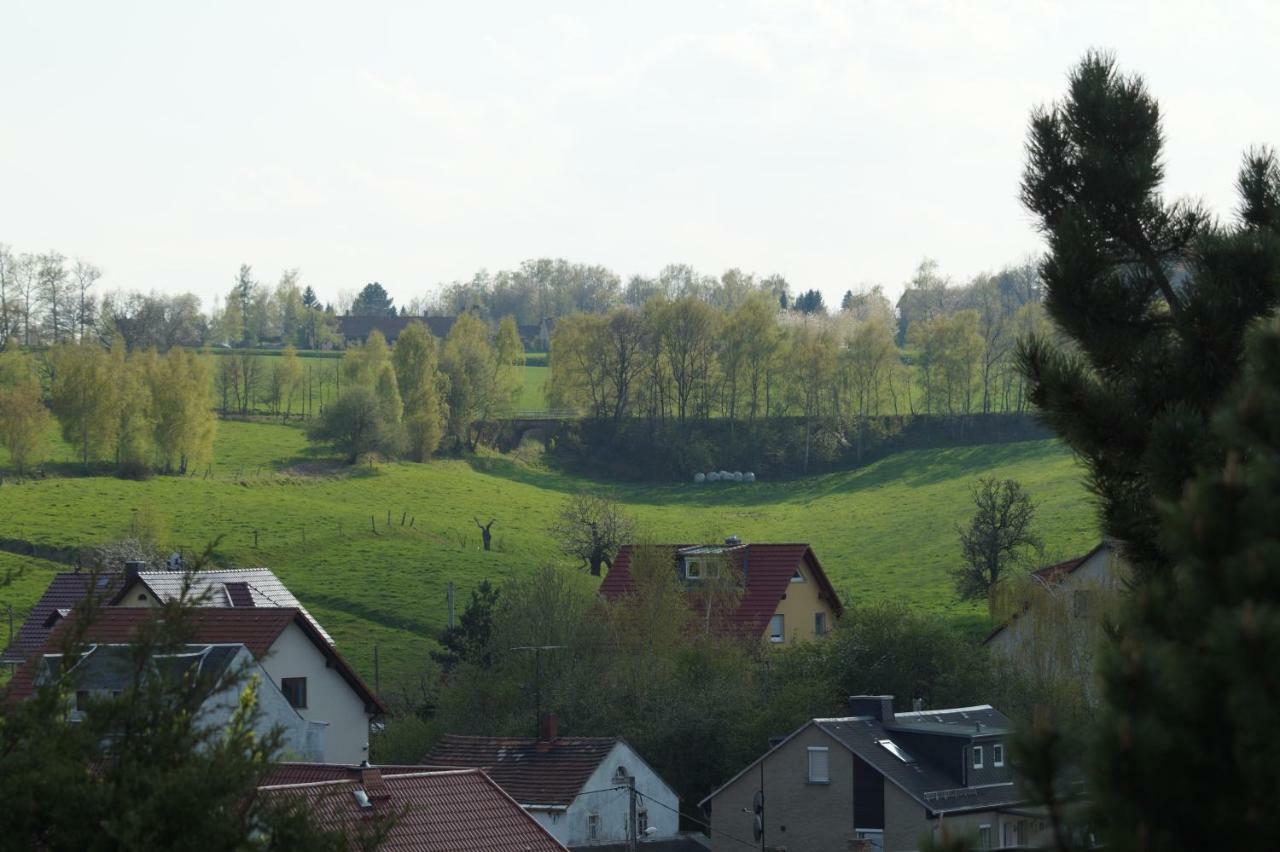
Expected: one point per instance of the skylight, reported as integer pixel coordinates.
(896, 750)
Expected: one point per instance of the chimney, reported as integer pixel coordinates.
(878, 707)
(733, 541)
(131, 571)
(371, 783)
(547, 728)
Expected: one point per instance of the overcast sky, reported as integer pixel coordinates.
(835, 143)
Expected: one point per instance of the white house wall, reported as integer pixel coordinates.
(302, 739)
(570, 827)
(329, 697)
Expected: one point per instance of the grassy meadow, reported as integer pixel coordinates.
(886, 531)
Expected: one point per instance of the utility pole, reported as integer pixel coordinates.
(631, 820)
(377, 679)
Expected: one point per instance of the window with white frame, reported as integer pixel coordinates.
(693, 569)
(984, 837)
(797, 577)
(593, 826)
(997, 754)
(977, 757)
(819, 624)
(819, 765)
(776, 633)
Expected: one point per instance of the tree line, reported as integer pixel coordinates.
(140, 411)
(408, 398)
(944, 350)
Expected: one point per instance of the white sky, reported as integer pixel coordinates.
(836, 143)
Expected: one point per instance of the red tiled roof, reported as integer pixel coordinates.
(64, 591)
(453, 811)
(256, 628)
(767, 569)
(532, 772)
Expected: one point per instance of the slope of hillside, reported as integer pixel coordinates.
(884, 531)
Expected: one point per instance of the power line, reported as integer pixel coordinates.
(705, 825)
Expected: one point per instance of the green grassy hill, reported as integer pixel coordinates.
(884, 531)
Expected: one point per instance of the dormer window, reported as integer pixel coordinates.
(997, 754)
(797, 577)
(620, 774)
(977, 757)
(701, 569)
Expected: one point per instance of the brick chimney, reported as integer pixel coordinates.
(876, 706)
(547, 728)
(371, 782)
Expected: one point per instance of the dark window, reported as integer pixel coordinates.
(82, 698)
(295, 690)
(820, 624)
(142, 597)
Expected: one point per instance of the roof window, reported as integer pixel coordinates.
(896, 750)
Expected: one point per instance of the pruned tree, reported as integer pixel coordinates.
(997, 538)
(591, 528)
(485, 533)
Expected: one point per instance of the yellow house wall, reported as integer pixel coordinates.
(130, 598)
(798, 607)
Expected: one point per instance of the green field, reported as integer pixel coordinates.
(886, 531)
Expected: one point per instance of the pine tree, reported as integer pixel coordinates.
(1155, 296)
(1157, 299)
(1192, 686)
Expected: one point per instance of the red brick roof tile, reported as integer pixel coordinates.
(452, 811)
(532, 772)
(256, 628)
(767, 569)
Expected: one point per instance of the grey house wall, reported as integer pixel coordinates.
(798, 815)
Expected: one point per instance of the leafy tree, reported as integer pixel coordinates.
(996, 539)
(24, 420)
(356, 424)
(182, 411)
(373, 301)
(286, 375)
(510, 348)
(83, 397)
(422, 388)
(481, 386)
(132, 410)
(591, 528)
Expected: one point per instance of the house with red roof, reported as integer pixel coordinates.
(778, 593)
(577, 788)
(297, 659)
(433, 811)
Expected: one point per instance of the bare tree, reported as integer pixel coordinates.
(998, 537)
(86, 275)
(591, 528)
(484, 531)
(51, 284)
